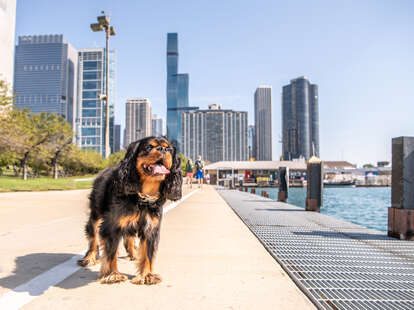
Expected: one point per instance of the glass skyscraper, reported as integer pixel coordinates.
(300, 119)
(45, 75)
(177, 90)
(90, 122)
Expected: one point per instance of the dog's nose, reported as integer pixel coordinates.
(162, 149)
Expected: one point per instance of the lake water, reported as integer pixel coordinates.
(366, 206)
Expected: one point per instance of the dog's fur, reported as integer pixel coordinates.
(126, 201)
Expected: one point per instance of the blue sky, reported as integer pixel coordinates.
(360, 53)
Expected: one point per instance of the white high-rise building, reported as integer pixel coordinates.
(138, 119)
(157, 125)
(263, 123)
(7, 34)
(215, 134)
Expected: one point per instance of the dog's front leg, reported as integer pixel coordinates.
(145, 275)
(109, 268)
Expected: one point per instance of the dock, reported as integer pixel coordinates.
(338, 265)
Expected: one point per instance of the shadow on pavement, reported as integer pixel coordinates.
(32, 265)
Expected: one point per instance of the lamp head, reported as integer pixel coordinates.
(96, 27)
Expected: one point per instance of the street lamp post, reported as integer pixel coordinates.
(104, 25)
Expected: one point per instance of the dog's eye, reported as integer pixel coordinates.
(153, 143)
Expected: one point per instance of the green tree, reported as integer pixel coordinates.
(5, 98)
(25, 133)
(368, 166)
(115, 158)
(81, 161)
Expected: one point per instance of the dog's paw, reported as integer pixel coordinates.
(149, 279)
(152, 278)
(113, 277)
(85, 262)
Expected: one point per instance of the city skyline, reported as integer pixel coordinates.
(359, 77)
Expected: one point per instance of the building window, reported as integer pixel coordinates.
(90, 65)
(90, 103)
(89, 132)
(90, 85)
(91, 75)
(89, 113)
(90, 94)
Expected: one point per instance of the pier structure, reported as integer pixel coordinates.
(401, 212)
(314, 190)
(254, 173)
(337, 264)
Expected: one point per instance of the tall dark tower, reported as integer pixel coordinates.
(177, 91)
(300, 119)
(263, 122)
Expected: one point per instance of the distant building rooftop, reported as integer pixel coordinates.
(256, 165)
(338, 165)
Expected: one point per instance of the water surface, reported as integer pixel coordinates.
(366, 206)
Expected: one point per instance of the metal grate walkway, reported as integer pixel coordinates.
(338, 265)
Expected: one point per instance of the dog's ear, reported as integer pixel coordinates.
(172, 186)
(128, 179)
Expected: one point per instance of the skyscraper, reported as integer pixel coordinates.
(90, 122)
(251, 132)
(7, 33)
(263, 123)
(157, 125)
(215, 134)
(177, 90)
(45, 75)
(117, 139)
(138, 119)
(300, 119)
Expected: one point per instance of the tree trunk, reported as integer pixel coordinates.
(24, 165)
(24, 171)
(55, 169)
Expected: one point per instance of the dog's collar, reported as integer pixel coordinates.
(148, 198)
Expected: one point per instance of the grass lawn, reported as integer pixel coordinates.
(13, 184)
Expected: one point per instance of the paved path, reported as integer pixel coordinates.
(340, 265)
(208, 258)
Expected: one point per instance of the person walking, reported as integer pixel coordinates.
(199, 171)
(189, 172)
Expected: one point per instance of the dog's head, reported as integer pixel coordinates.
(149, 161)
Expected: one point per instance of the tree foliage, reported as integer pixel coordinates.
(26, 134)
(5, 98)
(368, 166)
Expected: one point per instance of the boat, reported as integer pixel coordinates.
(342, 183)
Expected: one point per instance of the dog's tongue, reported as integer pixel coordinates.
(160, 169)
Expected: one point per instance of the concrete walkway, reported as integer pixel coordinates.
(207, 257)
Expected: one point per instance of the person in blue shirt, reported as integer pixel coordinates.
(199, 165)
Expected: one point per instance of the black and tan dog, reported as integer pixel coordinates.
(126, 201)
